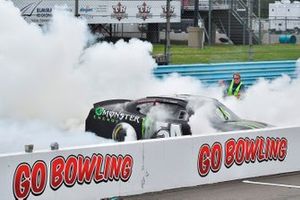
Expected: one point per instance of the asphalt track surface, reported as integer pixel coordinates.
(277, 187)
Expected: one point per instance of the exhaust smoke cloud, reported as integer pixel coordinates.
(50, 78)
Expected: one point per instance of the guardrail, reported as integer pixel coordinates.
(250, 71)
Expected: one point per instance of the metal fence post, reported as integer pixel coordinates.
(250, 50)
(196, 13)
(270, 33)
(229, 18)
(209, 21)
(76, 8)
(168, 28)
(259, 22)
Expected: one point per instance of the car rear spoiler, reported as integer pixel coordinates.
(113, 101)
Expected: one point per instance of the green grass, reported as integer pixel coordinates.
(182, 54)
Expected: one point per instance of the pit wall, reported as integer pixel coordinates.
(122, 169)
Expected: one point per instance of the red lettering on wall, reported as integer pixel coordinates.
(216, 157)
(229, 152)
(115, 169)
(261, 155)
(203, 160)
(33, 180)
(29, 180)
(22, 181)
(282, 149)
(71, 171)
(240, 151)
(85, 169)
(251, 150)
(98, 177)
(260, 149)
(244, 150)
(126, 168)
(56, 172)
(107, 166)
(209, 158)
(38, 178)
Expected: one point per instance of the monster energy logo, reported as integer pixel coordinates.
(103, 114)
(99, 111)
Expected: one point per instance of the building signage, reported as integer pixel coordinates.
(102, 11)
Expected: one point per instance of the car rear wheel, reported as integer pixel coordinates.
(124, 132)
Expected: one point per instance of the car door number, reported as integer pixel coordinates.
(165, 129)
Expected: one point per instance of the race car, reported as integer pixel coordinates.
(160, 117)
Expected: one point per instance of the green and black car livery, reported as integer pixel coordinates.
(158, 117)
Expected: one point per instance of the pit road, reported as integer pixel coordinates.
(276, 187)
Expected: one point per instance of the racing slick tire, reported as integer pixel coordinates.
(124, 132)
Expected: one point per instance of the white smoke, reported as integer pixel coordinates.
(50, 78)
(15, 134)
(38, 70)
(44, 95)
(200, 122)
(275, 102)
(160, 113)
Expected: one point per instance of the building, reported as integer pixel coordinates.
(284, 16)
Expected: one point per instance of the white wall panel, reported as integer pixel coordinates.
(153, 165)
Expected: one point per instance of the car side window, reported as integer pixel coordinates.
(183, 115)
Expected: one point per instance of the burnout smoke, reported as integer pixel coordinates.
(15, 134)
(204, 112)
(275, 102)
(51, 76)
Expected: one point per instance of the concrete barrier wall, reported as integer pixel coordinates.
(121, 169)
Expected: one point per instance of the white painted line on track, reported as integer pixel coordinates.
(272, 184)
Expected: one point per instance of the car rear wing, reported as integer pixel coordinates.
(108, 102)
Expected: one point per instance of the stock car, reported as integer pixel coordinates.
(160, 117)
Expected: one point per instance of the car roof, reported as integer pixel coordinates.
(182, 97)
(179, 99)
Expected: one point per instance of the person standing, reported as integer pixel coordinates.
(235, 87)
